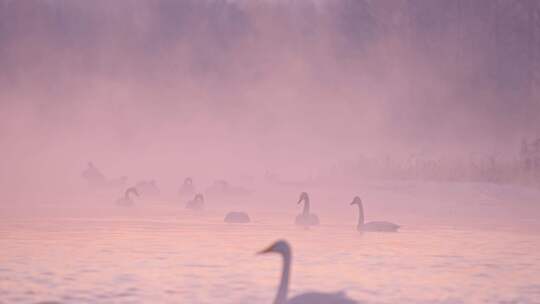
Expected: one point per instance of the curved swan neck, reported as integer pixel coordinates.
(306, 206)
(360, 214)
(281, 297)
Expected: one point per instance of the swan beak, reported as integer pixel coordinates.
(267, 250)
(353, 202)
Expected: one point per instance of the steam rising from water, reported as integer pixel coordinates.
(225, 89)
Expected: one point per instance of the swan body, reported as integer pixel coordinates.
(197, 203)
(283, 248)
(237, 217)
(376, 226)
(306, 218)
(126, 200)
(187, 188)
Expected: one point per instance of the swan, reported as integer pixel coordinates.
(187, 188)
(306, 218)
(127, 200)
(197, 203)
(377, 226)
(237, 217)
(283, 248)
(147, 188)
(93, 176)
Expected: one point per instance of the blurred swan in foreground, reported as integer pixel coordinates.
(283, 248)
(237, 217)
(371, 226)
(127, 200)
(306, 218)
(197, 203)
(187, 188)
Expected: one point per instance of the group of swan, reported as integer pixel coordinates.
(197, 203)
(282, 247)
(306, 218)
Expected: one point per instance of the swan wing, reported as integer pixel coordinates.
(322, 298)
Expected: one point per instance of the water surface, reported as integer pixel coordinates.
(197, 259)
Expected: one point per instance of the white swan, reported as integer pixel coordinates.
(306, 218)
(197, 203)
(377, 226)
(283, 248)
(127, 200)
(237, 217)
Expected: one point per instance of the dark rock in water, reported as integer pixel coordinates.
(237, 217)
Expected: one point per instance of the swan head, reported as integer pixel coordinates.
(303, 196)
(356, 201)
(280, 246)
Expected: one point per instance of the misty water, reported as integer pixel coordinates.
(158, 252)
(426, 109)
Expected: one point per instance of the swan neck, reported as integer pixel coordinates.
(281, 297)
(306, 206)
(360, 214)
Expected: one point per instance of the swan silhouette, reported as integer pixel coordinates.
(197, 203)
(306, 218)
(283, 248)
(237, 217)
(187, 188)
(377, 226)
(127, 200)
